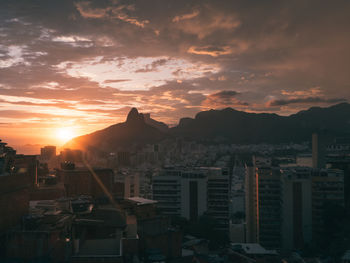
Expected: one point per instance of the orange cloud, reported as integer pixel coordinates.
(186, 16)
(119, 12)
(205, 22)
(210, 50)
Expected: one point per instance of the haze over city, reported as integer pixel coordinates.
(68, 68)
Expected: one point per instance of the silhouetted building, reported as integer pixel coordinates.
(41, 238)
(296, 208)
(7, 159)
(343, 163)
(217, 197)
(17, 178)
(71, 155)
(81, 181)
(155, 232)
(269, 217)
(48, 191)
(286, 207)
(14, 203)
(263, 187)
(318, 151)
(27, 165)
(250, 203)
(48, 152)
(98, 237)
(327, 192)
(157, 235)
(140, 207)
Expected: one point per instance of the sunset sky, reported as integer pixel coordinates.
(81, 65)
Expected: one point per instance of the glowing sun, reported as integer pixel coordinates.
(65, 134)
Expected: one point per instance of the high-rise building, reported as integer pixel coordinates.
(286, 207)
(263, 203)
(167, 191)
(318, 151)
(296, 207)
(48, 157)
(182, 193)
(268, 195)
(193, 194)
(218, 196)
(47, 153)
(190, 193)
(250, 203)
(343, 163)
(327, 192)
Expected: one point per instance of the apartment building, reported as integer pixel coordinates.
(190, 193)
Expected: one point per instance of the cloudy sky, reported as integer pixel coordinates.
(84, 64)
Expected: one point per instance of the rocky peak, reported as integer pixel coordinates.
(134, 116)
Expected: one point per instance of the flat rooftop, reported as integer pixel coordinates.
(142, 201)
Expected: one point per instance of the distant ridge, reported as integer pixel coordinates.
(226, 126)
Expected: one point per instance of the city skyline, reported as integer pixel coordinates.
(79, 66)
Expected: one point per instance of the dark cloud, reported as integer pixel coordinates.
(225, 98)
(225, 94)
(153, 66)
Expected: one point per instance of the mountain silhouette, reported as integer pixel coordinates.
(157, 124)
(227, 126)
(241, 127)
(133, 132)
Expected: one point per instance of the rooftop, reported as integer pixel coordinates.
(108, 217)
(252, 249)
(142, 201)
(44, 223)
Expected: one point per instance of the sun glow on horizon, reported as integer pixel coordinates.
(64, 134)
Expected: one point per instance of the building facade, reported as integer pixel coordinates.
(190, 193)
(296, 207)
